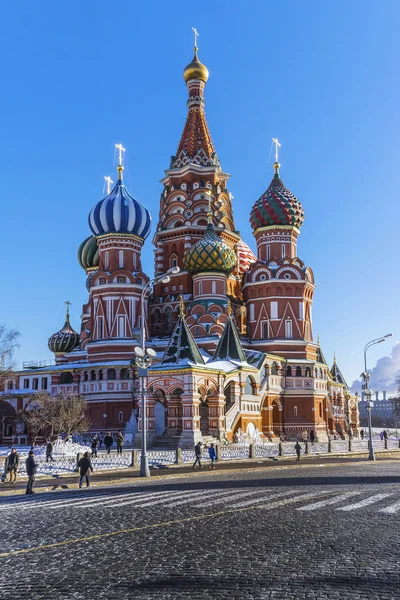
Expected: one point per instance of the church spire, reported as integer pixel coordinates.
(182, 349)
(196, 145)
(229, 346)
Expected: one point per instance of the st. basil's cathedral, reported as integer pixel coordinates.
(232, 331)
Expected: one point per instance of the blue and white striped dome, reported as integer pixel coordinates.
(119, 212)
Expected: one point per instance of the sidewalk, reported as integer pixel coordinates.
(106, 478)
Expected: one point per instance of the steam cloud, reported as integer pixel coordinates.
(384, 374)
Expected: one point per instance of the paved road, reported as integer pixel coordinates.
(314, 532)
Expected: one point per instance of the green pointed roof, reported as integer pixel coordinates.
(182, 349)
(229, 346)
(337, 374)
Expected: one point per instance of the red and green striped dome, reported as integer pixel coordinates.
(277, 206)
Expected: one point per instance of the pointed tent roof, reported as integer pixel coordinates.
(182, 349)
(337, 374)
(229, 346)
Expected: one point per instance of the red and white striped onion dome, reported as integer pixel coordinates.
(245, 257)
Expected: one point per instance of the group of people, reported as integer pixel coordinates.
(198, 452)
(108, 441)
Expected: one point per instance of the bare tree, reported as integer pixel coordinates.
(53, 415)
(8, 345)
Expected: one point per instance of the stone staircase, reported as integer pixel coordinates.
(164, 442)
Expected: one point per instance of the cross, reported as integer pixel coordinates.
(121, 149)
(109, 182)
(196, 35)
(68, 304)
(277, 146)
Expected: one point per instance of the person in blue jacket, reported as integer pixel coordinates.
(213, 455)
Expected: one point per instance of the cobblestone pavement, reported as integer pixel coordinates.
(302, 532)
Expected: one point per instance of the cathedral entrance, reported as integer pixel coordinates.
(276, 418)
(204, 412)
(160, 418)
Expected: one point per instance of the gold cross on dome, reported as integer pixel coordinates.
(68, 304)
(277, 146)
(121, 149)
(109, 182)
(196, 35)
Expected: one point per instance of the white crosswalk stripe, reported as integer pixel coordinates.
(365, 502)
(263, 498)
(329, 501)
(177, 495)
(208, 500)
(269, 506)
(392, 509)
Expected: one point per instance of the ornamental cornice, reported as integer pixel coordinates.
(277, 228)
(129, 236)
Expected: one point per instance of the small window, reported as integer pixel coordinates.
(102, 281)
(289, 371)
(287, 276)
(265, 329)
(274, 310)
(121, 416)
(121, 280)
(35, 384)
(268, 251)
(213, 287)
(124, 374)
(251, 312)
(26, 384)
(288, 329)
(101, 375)
(66, 377)
(295, 411)
(263, 277)
(121, 326)
(283, 250)
(200, 288)
(100, 328)
(174, 262)
(86, 376)
(121, 259)
(111, 374)
(106, 258)
(298, 371)
(10, 385)
(92, 375)
(44, 383)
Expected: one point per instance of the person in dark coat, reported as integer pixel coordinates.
(312, 436)
(85, 468)
(12, 465)
(197, 452)
(120, 442)
(362, 434)
(93, 444)
(298, 450)
(108, 442)
(31, 469)
(49, 451)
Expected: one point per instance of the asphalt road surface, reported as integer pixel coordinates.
(315, 532)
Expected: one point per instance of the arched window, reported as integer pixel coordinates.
(298, 371)
(213, 287)
(10, 385)
(173, 261)
(124, 373)
(121, 259)
(101, 375)
(92, 375)
(274, 369)
(66, 377)
(111, 374)
(85, 376)
(289, 371)
(249, 388)
(288, 328)
(308, 372)
(202, 223)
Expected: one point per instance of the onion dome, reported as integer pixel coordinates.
(64, 340)
(88, 253)
(245, 257)
(277, 206)
(210, 254)
(119, 212)
(195, 70)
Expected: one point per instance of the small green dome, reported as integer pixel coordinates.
(88, 253)
(210, 254)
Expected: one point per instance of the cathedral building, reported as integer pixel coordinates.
(232, 331)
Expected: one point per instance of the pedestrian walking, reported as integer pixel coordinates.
(108, 441)
(93, 444)
(197, 452)
(305, 436)
(49, 451)
(120, 442)
(213, 455)
(362, 434)
(312, 436)
(31, 469)
(381, 436)
(12, 465)
(298, 450)
(385, 434)
(85, 468)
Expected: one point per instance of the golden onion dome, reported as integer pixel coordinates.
(195, 70)
(210, 254)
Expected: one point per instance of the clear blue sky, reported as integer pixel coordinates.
(321, 76)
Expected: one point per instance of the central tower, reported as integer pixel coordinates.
(194, 185)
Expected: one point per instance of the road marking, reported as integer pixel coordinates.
(392, 509)
(329, 501)
(109, 534)
(279, 503)
(177, 496)
(263, 498)
(222, 495)
(365, 502)
(110, 500)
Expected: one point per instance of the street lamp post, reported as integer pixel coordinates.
(144, 357)
(367, 391)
